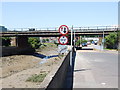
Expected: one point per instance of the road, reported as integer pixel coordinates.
(95, 69)
(98, 47)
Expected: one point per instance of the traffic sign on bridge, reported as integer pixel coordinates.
(63, 29)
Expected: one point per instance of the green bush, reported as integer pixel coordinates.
(78, 43)
(44, 40)
(56, 43)
(47, 40)
(6, 41)
(111, 41)
(34, 42)
(82, 41)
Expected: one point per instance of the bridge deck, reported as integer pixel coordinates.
(55, 33)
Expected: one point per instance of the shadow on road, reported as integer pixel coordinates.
(81, 70)
(70, 74)
(83, 48)
(87, 49)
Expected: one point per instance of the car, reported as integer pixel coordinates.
(88, 43)
(95, 42)
(31, 29)
(84, 44)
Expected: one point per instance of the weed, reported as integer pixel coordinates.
(37, 78)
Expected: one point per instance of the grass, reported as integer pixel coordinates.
(47, 45)
(61, 56)
(50, 44)
(37, 78)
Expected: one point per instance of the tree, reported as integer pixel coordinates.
(6, 41)
(78, 42)
(43, 40)
(56, 43)
(47, 40)
(111, 41)
(34, 42)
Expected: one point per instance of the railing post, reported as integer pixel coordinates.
(106, 28)
(80, 28)
(88, 28)
(21, 29)
(97, 28)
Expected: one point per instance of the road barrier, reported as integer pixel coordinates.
(56, 79)
(60, 76)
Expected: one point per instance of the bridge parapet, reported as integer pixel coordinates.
(91, 28)
(53, 32)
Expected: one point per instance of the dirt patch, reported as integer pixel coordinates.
(18, 68)
(14, 64)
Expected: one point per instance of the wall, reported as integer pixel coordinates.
(16, 51)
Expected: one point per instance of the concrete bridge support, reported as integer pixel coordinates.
(19, 41)
(21, 47)
(22, 41)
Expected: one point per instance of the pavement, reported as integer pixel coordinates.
(95, 69)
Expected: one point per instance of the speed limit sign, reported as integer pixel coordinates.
(63, 40)
(63, 29)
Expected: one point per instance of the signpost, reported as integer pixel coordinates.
(63, 29)
(63, 39)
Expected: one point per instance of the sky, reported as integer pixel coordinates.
(54, 14)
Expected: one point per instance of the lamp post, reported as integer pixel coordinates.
(71, 47)
(74, 39)
(103, 39)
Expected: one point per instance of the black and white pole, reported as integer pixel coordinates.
(71, 47)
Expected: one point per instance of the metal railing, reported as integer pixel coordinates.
(82, 29)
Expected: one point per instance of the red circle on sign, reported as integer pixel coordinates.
(64, 26)
(62, 43)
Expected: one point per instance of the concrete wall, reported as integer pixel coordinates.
(16, 51)
(60, 76)
(22, 41)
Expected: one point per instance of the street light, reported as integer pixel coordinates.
(71, 47)
(74, 39)
(103, 39)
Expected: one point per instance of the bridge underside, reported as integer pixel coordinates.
(21, 39)
(52, 34)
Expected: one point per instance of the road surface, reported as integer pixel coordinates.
(95, 69)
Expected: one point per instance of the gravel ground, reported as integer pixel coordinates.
(17, 68)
